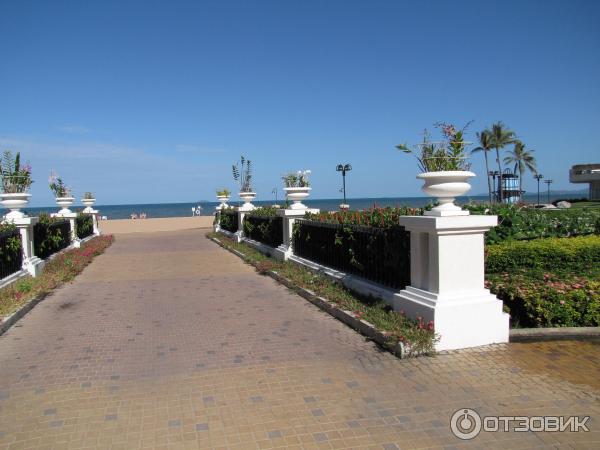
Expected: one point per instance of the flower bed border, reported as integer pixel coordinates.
(9, 321)
(381, 338)
(554, 334)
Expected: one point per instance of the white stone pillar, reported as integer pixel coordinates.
(94, 213)
(31, 263)
(447, 271)
(75, 241)
(217, 220)
(289, 216)
(242, 211)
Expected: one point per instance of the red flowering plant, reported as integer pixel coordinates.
(64, 267)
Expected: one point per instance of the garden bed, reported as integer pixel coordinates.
(415, 337)
(62, 268)
(551, 282)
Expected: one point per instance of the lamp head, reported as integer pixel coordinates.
(339, 168)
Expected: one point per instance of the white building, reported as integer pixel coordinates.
(587, 173)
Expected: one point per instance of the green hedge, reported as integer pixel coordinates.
(556, 254)
(84, 226)
(519, 223)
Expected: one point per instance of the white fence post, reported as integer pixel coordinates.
(289, 216)
(94, 213)
(31, 263)
(447, 281)
(71, 216)
(242, 211)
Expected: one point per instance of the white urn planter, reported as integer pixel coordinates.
(223, 199)
(64, 203)
(88, 203)
(446, 186)
(296, 195)
(247, 197)
(14, 202)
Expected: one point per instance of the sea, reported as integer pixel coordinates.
(207, 208)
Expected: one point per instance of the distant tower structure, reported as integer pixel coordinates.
(510, 187)
(587, 173)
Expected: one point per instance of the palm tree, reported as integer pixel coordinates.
(485, 146)
(523, 159)
(500, 137)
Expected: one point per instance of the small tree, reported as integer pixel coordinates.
(500, 137)
(485, 145)
(523, 159)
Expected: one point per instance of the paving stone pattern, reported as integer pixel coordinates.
(168, 341)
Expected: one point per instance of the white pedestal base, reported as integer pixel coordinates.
(285, 250)
(447, 280)
(468, 320)
(33, 266)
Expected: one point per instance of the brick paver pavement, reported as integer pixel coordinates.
(169, 341)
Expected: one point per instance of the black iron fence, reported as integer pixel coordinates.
(11, 255)
(228, 220)
(381, 255)
(50, 237)
(265, 229)
(84, 226)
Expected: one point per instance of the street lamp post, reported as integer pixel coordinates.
(494, 174)
(538, 177)
(344, 168)
(548, 182)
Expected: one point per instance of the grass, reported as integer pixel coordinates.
(588, 204)
(63, 268)
(418, 337)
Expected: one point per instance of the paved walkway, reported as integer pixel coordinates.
(168, 341)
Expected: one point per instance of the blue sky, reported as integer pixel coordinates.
(152, 101)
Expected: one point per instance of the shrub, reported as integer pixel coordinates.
(520, 223)
(10, 250)
(568, 254)
(548, 300)
(228, 219)
(263, 227)
(374, 217)
(84, 225)
(50, 235)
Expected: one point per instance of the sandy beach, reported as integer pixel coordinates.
(123, 226)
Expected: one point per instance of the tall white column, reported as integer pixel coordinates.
(447, 281)
(31, 263)
(289, 216)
